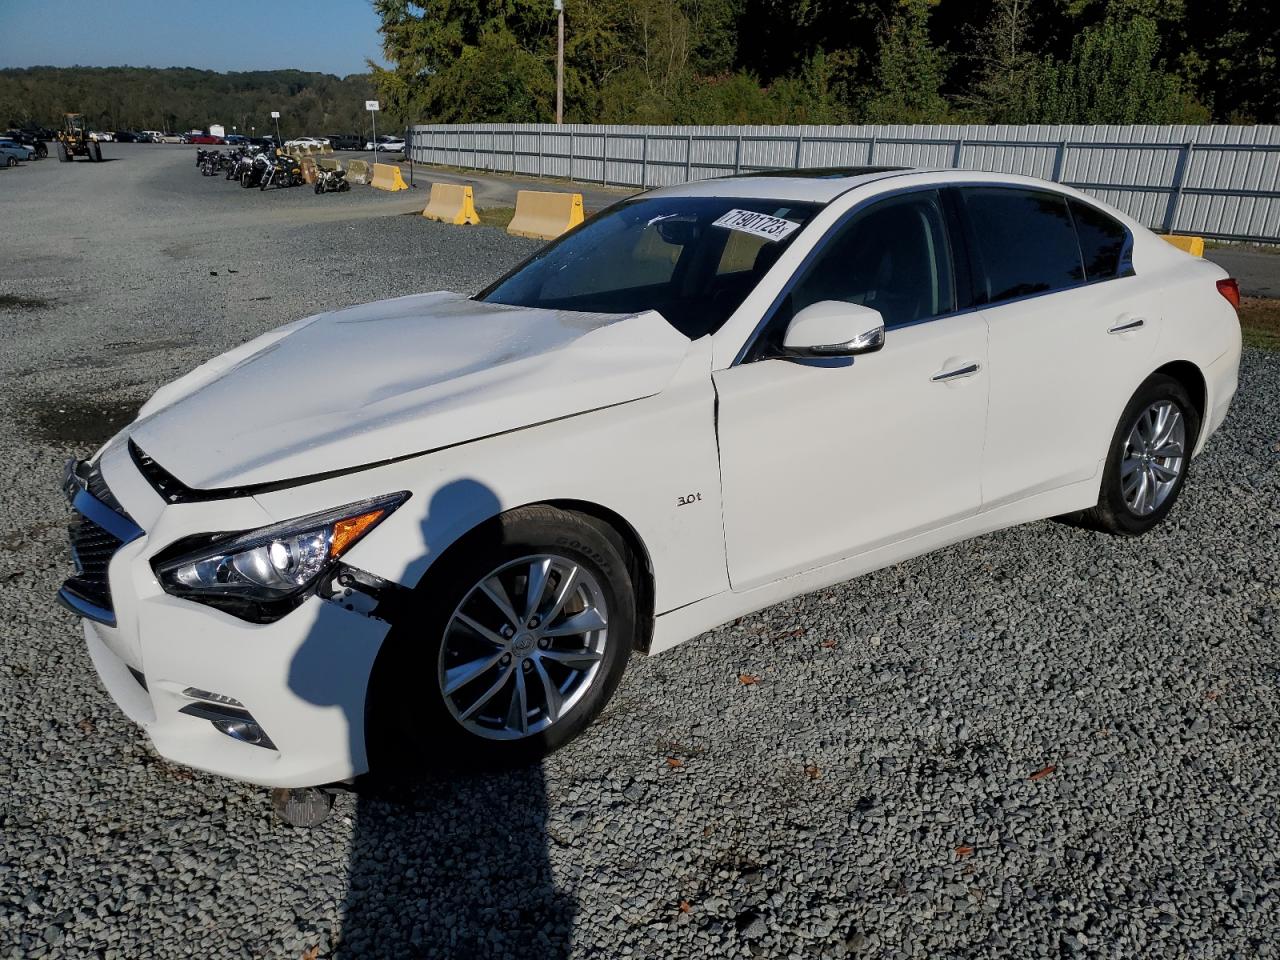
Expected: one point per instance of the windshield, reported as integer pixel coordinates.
(693, 259)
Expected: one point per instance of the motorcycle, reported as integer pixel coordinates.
(285, 171)
(234, 163)
(212, 163)
(332, 181)
(252, 174)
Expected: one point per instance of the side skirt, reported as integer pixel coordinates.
(676, 626)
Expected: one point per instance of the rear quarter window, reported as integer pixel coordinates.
(1026, 241)
(1102, 242)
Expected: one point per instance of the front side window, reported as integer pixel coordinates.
(1025, 239)
(892, 256)
(692, 259)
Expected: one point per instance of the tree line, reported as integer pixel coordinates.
(835, 61)
(726, 61)
(180, 98)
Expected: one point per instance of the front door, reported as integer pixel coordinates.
(822, 460)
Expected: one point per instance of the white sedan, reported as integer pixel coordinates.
(439, 526)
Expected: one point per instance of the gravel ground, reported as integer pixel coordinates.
(1041, 743)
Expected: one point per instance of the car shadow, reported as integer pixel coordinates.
(443, 863)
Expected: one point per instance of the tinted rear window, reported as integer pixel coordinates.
(1102, 241)
(1025, 239)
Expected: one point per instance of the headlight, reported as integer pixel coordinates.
(262, 574)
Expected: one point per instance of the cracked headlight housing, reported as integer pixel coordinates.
(260, 575)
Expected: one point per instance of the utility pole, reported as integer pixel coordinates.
(559, 8)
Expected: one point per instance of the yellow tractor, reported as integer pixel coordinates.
(73, 140)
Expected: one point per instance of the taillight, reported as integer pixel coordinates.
(1230, 288)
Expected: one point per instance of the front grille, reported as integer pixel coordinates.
(100, 529)
(92, 549)
(98, 488)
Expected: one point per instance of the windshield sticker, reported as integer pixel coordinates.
(757, 224)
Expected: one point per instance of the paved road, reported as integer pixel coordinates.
(1040, 743)
(1257, 270)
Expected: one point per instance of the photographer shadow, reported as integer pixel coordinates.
(443, 863)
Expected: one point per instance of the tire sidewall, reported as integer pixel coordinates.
(408, 721)
(1156, 388)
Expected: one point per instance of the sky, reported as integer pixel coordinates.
(330, 36)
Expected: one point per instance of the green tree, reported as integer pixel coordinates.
(1115, 76)
(910, 70)
(1003, 87)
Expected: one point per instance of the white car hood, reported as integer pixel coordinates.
(394, 378)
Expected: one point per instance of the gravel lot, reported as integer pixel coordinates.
(1041, 743)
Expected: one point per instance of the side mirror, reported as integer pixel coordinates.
(833, 328)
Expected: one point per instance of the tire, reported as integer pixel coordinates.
(1115, 513)
(319, 187)
(246, 179)
(413, 723)
(95, 152)
(41, 151)
(63, 155)
(12, 162)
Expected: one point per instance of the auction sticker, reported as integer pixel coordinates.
(758, 224)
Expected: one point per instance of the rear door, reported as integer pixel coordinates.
(1072, 331)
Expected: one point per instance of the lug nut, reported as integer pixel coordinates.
(533, 622)
(507, 631)
(544, 643)
(528, 665)
(506, 658)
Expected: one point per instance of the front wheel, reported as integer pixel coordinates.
(509, 649)
(95, 152)
(12, 162)
(1147, 464)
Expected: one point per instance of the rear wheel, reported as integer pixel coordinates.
(11, 162)
(1147, 464)
(95, 152)
(513, 647)
(63, 155)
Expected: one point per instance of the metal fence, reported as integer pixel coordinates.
(1215, 181)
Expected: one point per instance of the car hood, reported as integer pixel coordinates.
(395, 378)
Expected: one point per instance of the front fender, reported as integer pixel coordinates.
(653, 462)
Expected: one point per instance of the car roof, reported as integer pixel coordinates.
(813, 185)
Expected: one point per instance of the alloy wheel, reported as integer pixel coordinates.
(523, 647)
(1154, 457)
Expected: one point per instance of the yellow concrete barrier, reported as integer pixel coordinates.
(386, 176)
(329, 163)
(358, 171)
(545, 215)
(1192, 245)
(452, 203)
(308, 166)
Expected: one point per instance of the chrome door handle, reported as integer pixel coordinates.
(968, 370)
(1133, 323)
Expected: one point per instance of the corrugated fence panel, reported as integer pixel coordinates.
(1218, 181)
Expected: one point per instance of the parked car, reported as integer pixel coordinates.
(707, 399)
(267, 142)
(204, 138)
(29, 138)
(11, 152)
(387, 144)
(346, 141)
(170, 138)
(125, 136)
(236, 139)
(102, 136)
